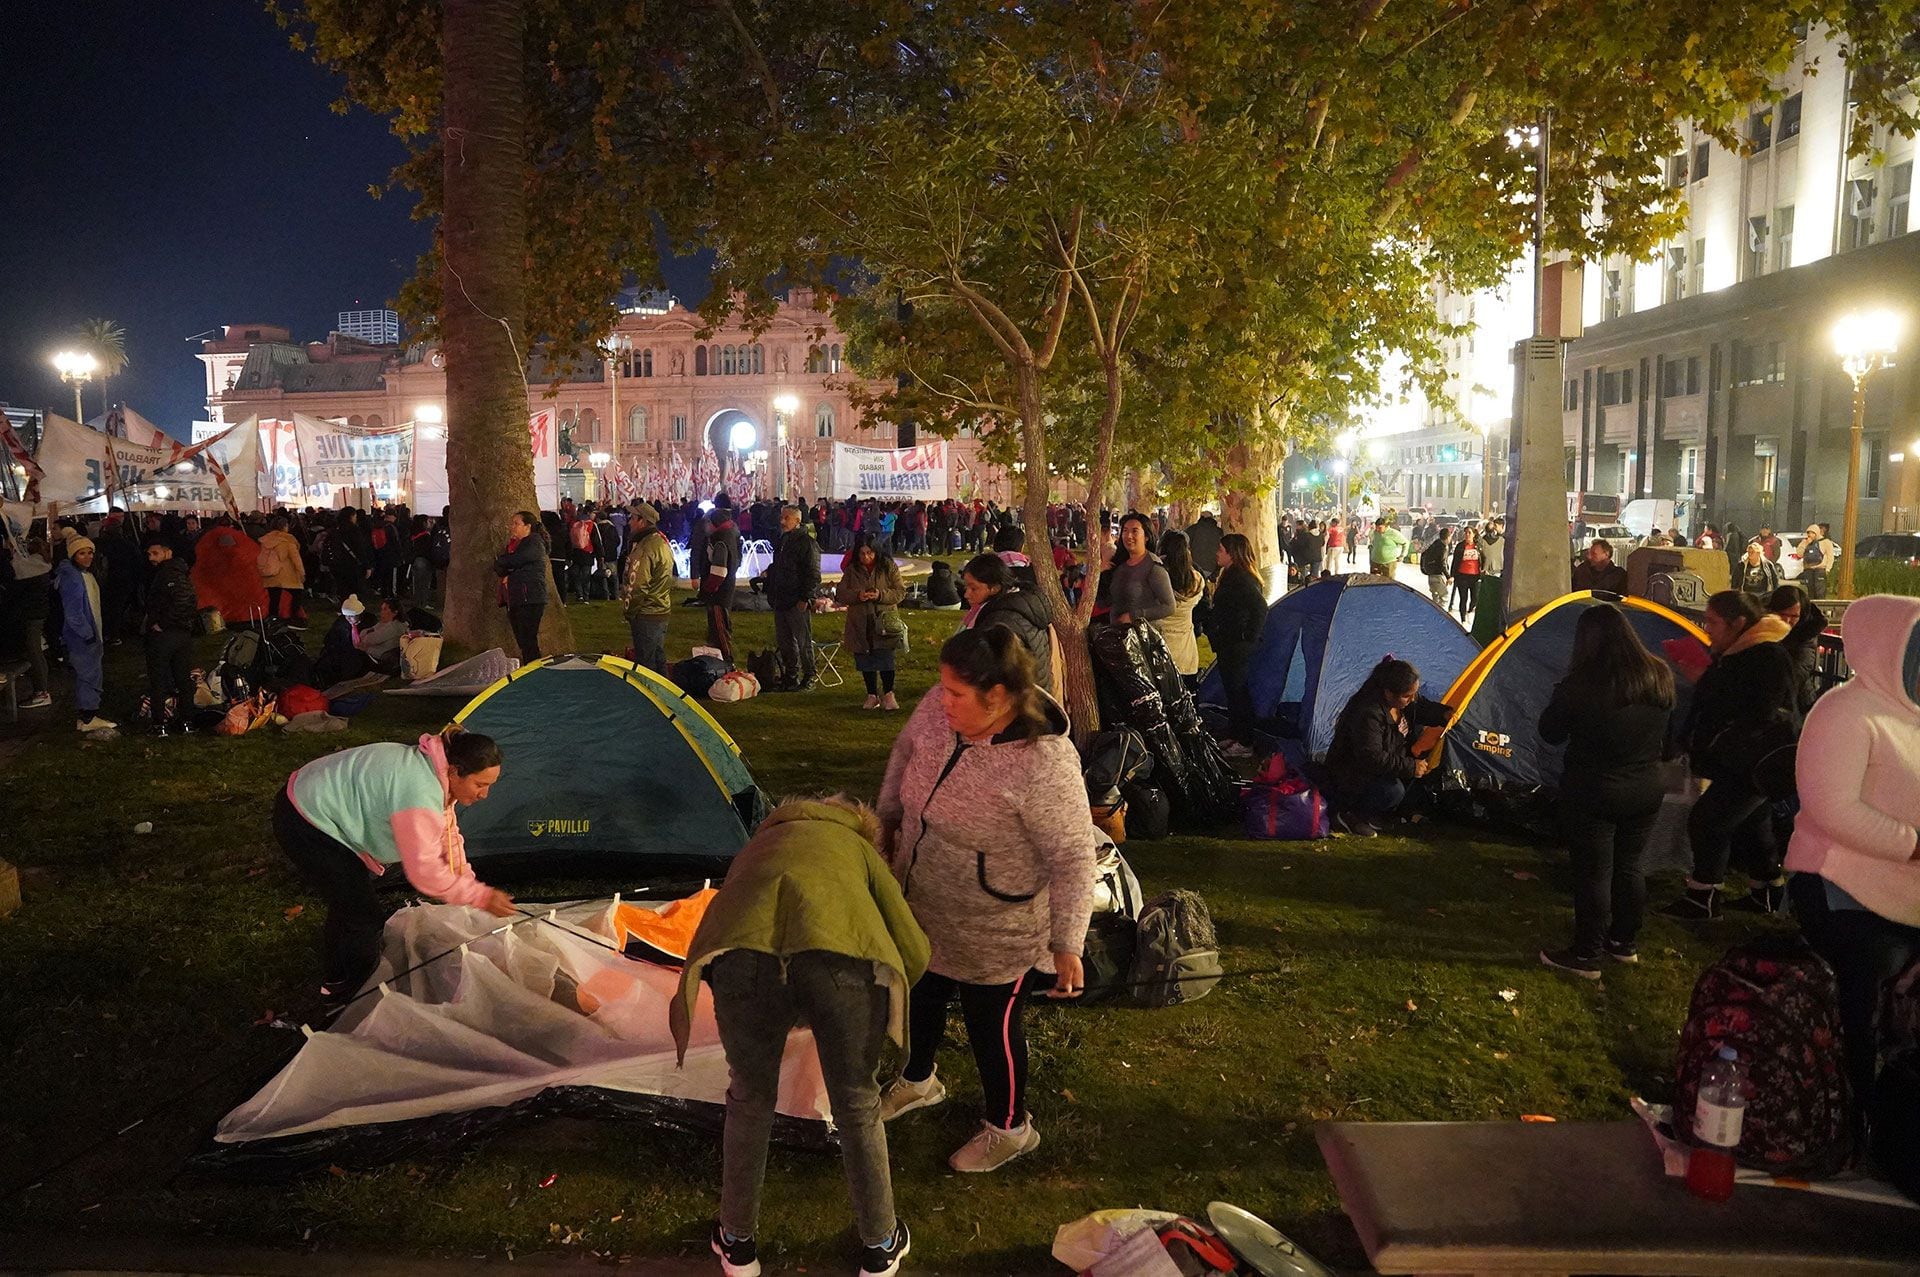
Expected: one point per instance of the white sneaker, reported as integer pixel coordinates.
(41, 701)
(873, 702)
(901, 1096)
(95, 723)
(888, 702)
(995, 1146)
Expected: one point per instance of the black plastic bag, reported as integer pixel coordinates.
(1140, 687)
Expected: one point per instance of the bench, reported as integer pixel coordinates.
(1569, 1197)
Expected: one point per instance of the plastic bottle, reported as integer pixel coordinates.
(1719, 1111)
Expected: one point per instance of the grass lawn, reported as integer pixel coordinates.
(144, 967)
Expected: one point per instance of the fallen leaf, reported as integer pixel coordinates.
(548, 1181)
(336, 1172)
(293, 911)
(1412, 1005)
(1508, 995)
(1068, 1097)
(1537, 1117)
(1501, 1055)
(266, 1017)
(1524, 875)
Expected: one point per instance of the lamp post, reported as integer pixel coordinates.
(598, 460)
(784, 406)
(76, 367)
(1864, 341)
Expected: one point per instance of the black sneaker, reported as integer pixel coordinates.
(1620, 952)
(1697, 905)
(1766, 898)
(738, 1255)
(1354, 825)
(884, 1259)
(1572, 963)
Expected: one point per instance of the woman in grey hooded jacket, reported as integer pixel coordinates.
(986, 817)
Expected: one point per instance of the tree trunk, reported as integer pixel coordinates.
(1078, 697)
(483, 239)
(1252, 470)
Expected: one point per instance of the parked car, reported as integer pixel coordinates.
(1617, 535)
(1902, 547)
(1790, 563)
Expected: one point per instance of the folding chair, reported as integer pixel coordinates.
(824, 668)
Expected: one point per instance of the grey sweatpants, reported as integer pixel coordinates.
(1437, 587)
(757, 999)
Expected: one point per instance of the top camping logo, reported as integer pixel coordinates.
(540, 827)
(1497, 743)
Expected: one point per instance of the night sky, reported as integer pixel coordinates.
(175, 167)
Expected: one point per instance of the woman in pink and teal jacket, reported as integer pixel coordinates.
(346, 818)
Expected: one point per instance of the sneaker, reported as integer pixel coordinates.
(1626, 953)
(889, 701)
(1354, 825)
(995, 1146)
(1765, 898)
(873, 702)
(1696, 905)
(807, 684)
(1234, 749)
(739, 1257)
(1572, 963)
(901, 1096)
(883, 1258)
(95, 723)
(40, 701)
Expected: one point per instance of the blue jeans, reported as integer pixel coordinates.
(649, 641)
(1373, 799)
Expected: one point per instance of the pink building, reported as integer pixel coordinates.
(663, 391)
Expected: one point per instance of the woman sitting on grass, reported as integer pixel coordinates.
(1371, 763)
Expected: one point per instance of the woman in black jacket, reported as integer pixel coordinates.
(1611, 711)
(523, 582)
(1238, 609)
(988, 584)
(1805, 623)
(1371, 764)
(1746, 701)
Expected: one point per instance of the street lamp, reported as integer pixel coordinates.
(78, 368)
(598, 460)
(1865, 341)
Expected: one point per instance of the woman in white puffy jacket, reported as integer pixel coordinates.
(1856, 879)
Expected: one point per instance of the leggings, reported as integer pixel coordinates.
(1463, 594)
(878, 681)
(994, 1030)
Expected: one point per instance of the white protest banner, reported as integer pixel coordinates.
(335, 456)
(88, 470)
(280, 459)
(911, 474)
(430, 487)
(544, 436)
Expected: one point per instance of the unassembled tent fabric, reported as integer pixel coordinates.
(1320, 642)
(466, 678)
(512, 1012)
(1493, 742)
(604, 759)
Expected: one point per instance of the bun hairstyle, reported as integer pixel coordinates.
(993, 657)
(1392, 677)
(469, 752)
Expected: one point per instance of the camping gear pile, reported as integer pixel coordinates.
(1161, 953)
(1151, 1243)
(1140, 687)
(476, 1023)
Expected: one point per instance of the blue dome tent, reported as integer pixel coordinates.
(1319, 643)
(606, 762)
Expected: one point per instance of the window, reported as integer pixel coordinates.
(643, 364)
(1614, 304)
(1697, 269)
(1783, 237)
(1680, 377)
(1759, 363)
(637, 425)
(1689, 471)
(1673, 284)
(823, 421)
(699, 361)
(679, 428)
(1899, 198)
(1755, 264)
(1857, 229)
(1677, 171)
(1766, 457)
(833, 358)
(1760, 129)
(375, 422)
(1790, 118)
(1876, 462)
(589, 428)
(1571, 399)
(1701, 154)
(727, 367)
(1616, 387)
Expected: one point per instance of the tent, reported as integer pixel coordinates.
(476, 1022)
(465, 678)
(1492, 743)
(606, 761)
(1320, 642)
(226, 574)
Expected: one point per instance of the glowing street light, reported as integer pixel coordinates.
(784, 406)
(788, 403)
(1865, 342)
(743, 436)
(431, 413)
(76, 367)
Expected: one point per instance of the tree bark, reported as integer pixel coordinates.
(1252, 470)
(483, 237)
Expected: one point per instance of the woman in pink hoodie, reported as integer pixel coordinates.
(1856, 879)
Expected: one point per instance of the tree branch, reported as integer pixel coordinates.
(768, 85)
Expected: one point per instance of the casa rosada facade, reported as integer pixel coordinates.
(663, 391)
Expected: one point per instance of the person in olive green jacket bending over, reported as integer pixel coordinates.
(809, 928)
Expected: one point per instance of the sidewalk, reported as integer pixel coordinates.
(85, 1257)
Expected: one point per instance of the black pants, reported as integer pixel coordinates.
(525, 620)
(1865, 951)
(1463, 594)
(879, 682)
(1608, 846)
(1234, 665)
(295, 600)
(170, 671)
(350, 938)
(1727, 815)
(993, 1013)
(793, 636)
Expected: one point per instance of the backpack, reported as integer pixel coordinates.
(697, 673)
(1433, 559)
(1813, 556)
(1176, 958)
(440, 547)
(1149, 812)
(583, 536)
(1776, 1003)
(1114, 758)
(270, 564)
